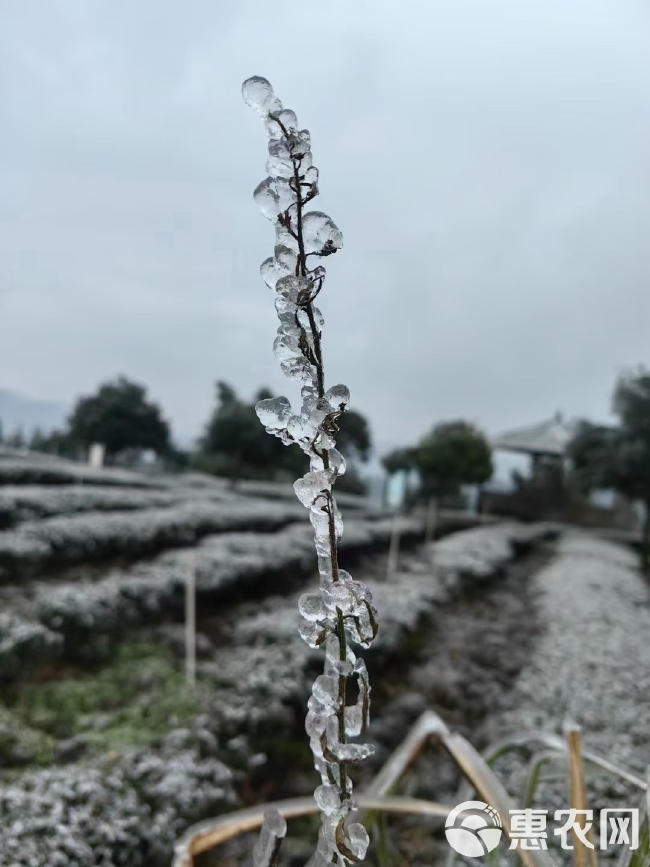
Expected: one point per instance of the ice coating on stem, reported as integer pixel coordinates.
(322, 237)
(272, 832)
(342, 610)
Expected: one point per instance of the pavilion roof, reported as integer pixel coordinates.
(547, 438)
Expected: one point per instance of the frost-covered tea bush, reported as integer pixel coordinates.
(29, 502)
(24, 644)
(32, 468)
(68, 539)
(342, 610)
(126, 812)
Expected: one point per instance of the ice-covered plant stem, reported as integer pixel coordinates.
(342, 611)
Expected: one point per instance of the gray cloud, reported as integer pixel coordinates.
(487, 163)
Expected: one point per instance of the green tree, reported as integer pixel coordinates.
(399, 460)
(235, 443)
(619, 457)
(455, 453)
(592, 453)
(16, 439)
(37, 440)
(354, 440)
(121, 417)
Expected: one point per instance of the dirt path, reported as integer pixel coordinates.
(591, 664)
(560, 637)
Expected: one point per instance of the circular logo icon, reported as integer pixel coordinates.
(473, 828)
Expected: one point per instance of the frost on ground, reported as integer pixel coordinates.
(89, 615)
(589, 607)
(591, 666)
(254, 675)
(127, 812)
(265, 651)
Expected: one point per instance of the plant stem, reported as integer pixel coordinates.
(320, 378)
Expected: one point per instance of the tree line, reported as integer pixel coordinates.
(233, 444)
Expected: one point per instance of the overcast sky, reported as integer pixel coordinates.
(487, 161)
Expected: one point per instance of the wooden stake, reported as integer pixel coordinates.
(190, 622)
(393, 550)
(432, 520)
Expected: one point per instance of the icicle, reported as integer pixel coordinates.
(272, 832)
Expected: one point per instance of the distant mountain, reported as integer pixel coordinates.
(28, 413)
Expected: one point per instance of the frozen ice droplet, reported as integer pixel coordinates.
(311, 487)
(314, 633)
(351, 752)
(274, 412)
(292, 287)
(258, 94)
(287, 237)
(279, 163)
(300, 147)
(337, 461)
(310, 180)
(274, 196)
(338, 397)
(295, 427)
(325, 690)
(327, 798)
(353, 721)
(297, 369)
(286, 347)
(305, 320)
(285, 309)
(272, 271)
(310, 606)
(318, 716)
(358, 840)
(321, 234)
(286, 257)
(267, 200)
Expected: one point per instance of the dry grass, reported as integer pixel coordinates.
(479, 777)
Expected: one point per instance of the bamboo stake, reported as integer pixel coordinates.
(583, 856)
